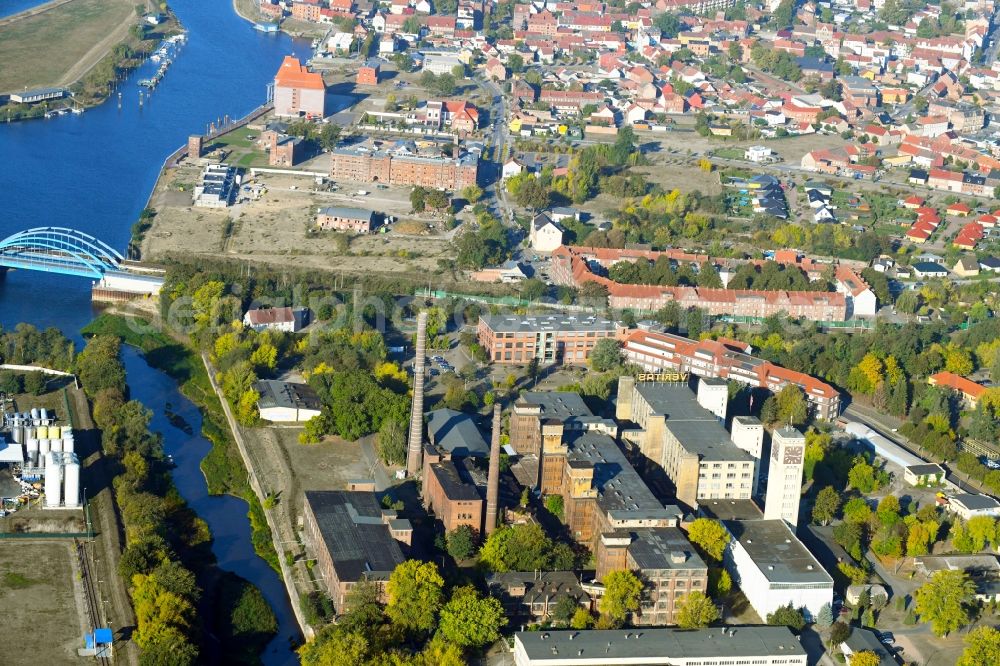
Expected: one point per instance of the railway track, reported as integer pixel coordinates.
(93, 597)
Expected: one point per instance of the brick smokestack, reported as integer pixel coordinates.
(493, 482)
(415, 448)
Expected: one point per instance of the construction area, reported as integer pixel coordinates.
(273, 221)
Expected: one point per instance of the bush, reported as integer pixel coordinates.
(317, 608)
(244, 621)
(35, 383)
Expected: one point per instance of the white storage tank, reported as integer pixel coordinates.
(68, 445)
(36, 417)
(16, 433)
(53, 482)
(67, 431)
(71, 472)
(56, 445)
(44, 415)
(44, 446)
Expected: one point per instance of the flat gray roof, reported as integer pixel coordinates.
(697, 429)
(657, 548)
(975, 502)
(777, 552)
(348, 212)
(555, 404)
(621, 491)
(536, 323)
(597, 646)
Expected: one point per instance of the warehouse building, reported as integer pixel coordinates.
(682, 433)
(353, 539)
(287, 402)
(774, 568)
(718, 646)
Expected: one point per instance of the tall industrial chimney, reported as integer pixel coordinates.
(493, 482)
(415, 448)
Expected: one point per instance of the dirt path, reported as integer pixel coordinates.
(99, 50)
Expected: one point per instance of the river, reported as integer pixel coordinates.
(94, 172)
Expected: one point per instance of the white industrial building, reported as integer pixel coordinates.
(774, 568)
(285, 402)
(718, 646)
(881, 445)
(968, 505)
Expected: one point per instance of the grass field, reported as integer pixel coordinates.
(37, 597)
(40, 50)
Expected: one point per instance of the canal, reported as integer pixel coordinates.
(94, 172)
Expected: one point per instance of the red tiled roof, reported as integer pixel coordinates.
(957, 383)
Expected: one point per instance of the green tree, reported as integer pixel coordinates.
(415, 595)
(469, 620)
(418, 199)
(826, 506)
(788, 616)
(982, 648)
(708, 276)
(564, 611)
(329, 136)
(11, 383)
(554, 504)
(825, 616)
(710, 536)
(391, 442)
(696, 611)
(582, 619)
(839, 633)
(333, 646)
(606, 355)
(35, 383)
(946, 601)
(621, 596)
(517, 548)
(461, 542)
(472, 193)
(792, 406)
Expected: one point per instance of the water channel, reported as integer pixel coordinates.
(94, 172)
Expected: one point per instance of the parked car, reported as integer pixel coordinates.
(887, 638)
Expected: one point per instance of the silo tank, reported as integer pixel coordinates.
(53, 483)
(67, 431)
(56, 445)
(31, 444)
(68, 445)
(72, 483)
(16, 433)
(44, 415)
(44, 446)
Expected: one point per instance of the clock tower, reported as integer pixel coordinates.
(784, 482)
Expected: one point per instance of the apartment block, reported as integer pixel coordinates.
(654, 352)
(566, 339)
(401, 166)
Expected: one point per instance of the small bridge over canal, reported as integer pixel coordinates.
(67, 251)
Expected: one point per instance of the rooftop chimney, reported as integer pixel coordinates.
(415, 448)
(493, 482)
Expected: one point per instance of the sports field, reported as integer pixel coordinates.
(58, 46)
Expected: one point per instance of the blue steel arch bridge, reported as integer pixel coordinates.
(70, 252)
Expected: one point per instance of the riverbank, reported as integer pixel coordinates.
(100, 42)
(247, 10)
(223, 468)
